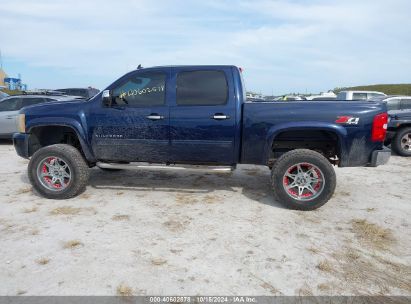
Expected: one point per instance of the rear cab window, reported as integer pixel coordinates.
(201, 88)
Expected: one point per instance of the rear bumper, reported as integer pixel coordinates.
(21, 144)
(380, 157)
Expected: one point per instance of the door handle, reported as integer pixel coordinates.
(219, 116)
(10, 117)
(154, 117)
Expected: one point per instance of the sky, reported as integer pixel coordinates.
(283, 46)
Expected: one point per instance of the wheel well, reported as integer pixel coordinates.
(324, 142)
(49, 135)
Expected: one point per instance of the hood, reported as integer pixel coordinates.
(54, 106)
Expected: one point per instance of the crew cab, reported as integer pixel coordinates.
(198, 115)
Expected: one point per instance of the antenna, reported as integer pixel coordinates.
(139, 67)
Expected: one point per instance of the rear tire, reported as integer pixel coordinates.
(58, 171)
(303, 179)
(401, 142)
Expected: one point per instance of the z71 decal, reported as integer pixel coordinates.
(349, 120)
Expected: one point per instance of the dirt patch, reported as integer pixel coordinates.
(372, 235)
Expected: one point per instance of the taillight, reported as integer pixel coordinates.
(379, 127)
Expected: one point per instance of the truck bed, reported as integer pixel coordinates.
(264, 121)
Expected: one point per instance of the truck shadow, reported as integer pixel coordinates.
(254, 183)
(6, 142)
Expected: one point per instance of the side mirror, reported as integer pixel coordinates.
(107, 98)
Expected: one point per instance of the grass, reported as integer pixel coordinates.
(72, 244)
(389, 89)
(313, 250)
(43, 261)
(121, 217)
(65, 210)
(323, 287)
(24, 190)
(186, 199)
(325, 266)
(124, 290)
(158, 262)
(372, 234)
(174, 226)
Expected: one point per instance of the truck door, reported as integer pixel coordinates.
(202, 116)
(135, 127)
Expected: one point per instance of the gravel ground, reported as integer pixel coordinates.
(187, 233)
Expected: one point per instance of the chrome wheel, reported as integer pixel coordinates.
(54, 173)
(406, 142)
(303, 181)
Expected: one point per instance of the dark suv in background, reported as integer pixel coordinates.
(81, 92)
(399, 125)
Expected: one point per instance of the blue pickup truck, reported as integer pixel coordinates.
(198, 115)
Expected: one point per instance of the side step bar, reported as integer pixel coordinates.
(163, 167)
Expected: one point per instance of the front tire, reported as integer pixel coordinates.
(303, 179)
(58, 171)
(401, 143)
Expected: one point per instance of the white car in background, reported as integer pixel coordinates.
(11, 105)
(3, 95)
(359, 95)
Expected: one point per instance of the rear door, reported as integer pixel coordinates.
(8, 113)
(202, 116)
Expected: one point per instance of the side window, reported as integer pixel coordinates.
(393, 104)
(11, 104)
(359, 96)
(405, 103)
(143, 89)
(205, 88)
(31, 101)
(373, 95)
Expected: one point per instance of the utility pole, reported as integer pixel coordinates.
(1, 61)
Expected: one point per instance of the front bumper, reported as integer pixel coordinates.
(21, 144)
(380, 157)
